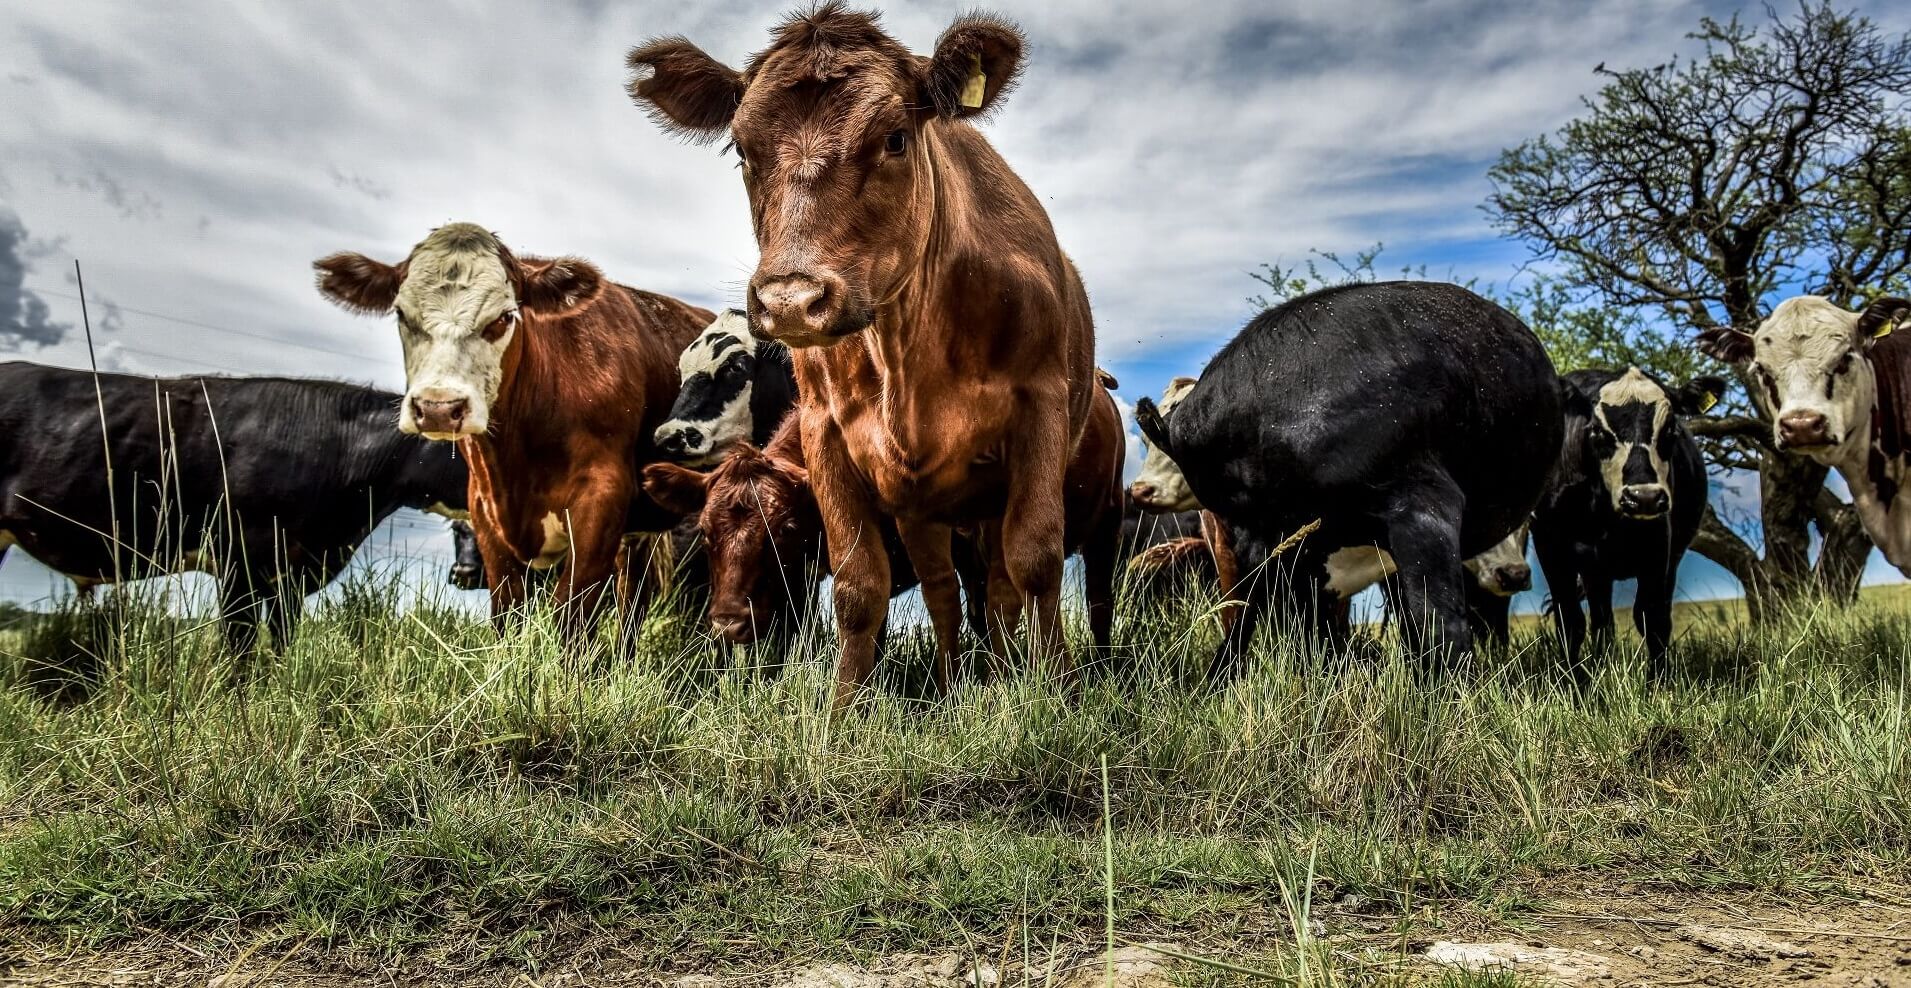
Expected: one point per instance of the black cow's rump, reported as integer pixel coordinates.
(270, 484)
(1413, 416)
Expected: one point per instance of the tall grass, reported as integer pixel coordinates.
(402, 776)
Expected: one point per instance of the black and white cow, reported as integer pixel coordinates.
(1837, 385)
(1623, 503)
(1413, 417)
(1494, 575)
(733, 388)
(269, 484)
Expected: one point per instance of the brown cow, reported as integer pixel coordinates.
(764, 534)
(550, 379)
(943, 342)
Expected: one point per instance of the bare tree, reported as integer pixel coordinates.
(1699, 191)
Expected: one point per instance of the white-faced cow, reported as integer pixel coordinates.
(269, 484)
(1623, 503)
(732, 388)
(1837, 386)
(1414, 417)
(552, 381)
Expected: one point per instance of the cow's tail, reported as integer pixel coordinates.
(1153, 426)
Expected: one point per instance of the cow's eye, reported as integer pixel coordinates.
(1602, 441)
(500, 326)
(1844, 364)
(897, 142)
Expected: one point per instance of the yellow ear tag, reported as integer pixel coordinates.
(1707, 401)
(978, 84)
(1884, 330)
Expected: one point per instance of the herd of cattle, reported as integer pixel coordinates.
(908, 398)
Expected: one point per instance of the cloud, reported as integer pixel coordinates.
(24, 317)
(131, 204)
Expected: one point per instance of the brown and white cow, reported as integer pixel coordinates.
(943, 342)
(1837, 386)
(551, 380)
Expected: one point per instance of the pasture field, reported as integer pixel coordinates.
(402, 793)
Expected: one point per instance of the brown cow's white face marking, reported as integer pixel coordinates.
(1160, 486)
(1809, 362)
(457, 313)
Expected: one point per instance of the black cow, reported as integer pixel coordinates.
(733, 388)
(1623, 504)
(467, 563)
(1414, 417)
(270, 484)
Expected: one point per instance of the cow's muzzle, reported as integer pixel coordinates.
(803, 309)
(1804, 430)
(681, 441)
(467, 576)
(1511, 579)
(1644, 502)
(440, 414)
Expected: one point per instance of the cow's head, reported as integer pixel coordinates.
(1502, 570)
(1808, 369)
(757, 515)
(1631, 433)
(467, 563)
(836, 126)
(1160, 486)
(715, 375)
(459, 298)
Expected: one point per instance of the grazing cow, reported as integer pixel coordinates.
(943, 342)
(765, 534)
(732, 388)
(269, 484)
(1414, 417)
(1623, 503)
(467, 564)
(550, 379)
(1495, 575)
(1837, 385)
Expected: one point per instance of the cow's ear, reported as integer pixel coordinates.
(1881, 317)
(975, 64)
(686, 91)
(1572, 400)
(558, 286)
(356, 282)
(1733, 346)
(1698, 396)
(675, 488)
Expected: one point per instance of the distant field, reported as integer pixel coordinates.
(402, 785)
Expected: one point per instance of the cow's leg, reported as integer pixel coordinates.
(972, 571)
(929, 552)
(505, 575)
(1100, 557)
(1227, 568)
(640, 567)
(586, 585)
(1247, 599)
(1559, 562)
(1033, 534)
(858, 559)
(1488, 615)
(1423, 535)
(239, 600)
(1004, 601)
(1599, 608)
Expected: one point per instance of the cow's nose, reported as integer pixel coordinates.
(796, 306)
(1643, 500)
(679, 440)
(439, 416)
(1802, 429)
(735, 629)
(1144, 493)
(465, 576)
(1514, 578)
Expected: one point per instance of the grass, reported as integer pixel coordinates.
(402, 780)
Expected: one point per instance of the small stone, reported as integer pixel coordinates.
(1642, 952)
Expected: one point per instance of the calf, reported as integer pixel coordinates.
(1414, 417)
(269, 484)
(550, 379)
(732, 388)
(943, 342)
(1494, 576)
(1837, 386)
(1623, 503)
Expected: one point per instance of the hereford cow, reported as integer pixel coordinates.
(1837, 386)
(765, 534)
(1494, 576)
(1414, 417)
(269, 484)
(550, 379)
(732, 388)
(942, 340)
(1623, 504)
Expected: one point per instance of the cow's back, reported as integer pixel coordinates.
(1335, 401)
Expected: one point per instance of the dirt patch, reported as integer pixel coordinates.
(1608, 937)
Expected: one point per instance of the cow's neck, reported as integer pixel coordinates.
(1874, 467)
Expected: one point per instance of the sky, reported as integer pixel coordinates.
(195, 157)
